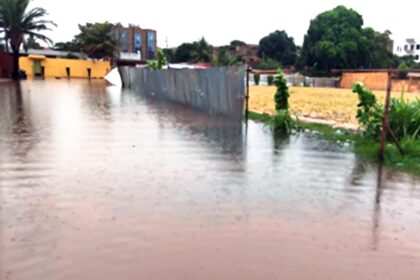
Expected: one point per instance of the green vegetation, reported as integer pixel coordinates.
(404, 121)
(159, 63)
(269, 64)
(283, 122)
(369, 112)
(279, 47)
(403, 70)
(281, 97)
(199, 51)
(16, 22)
(257, 79)
(270, 80)
(366, 148)
(336, 39)
(96, 40)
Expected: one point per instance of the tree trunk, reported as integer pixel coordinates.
(15, 73)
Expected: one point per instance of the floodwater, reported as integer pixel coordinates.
(96, 183)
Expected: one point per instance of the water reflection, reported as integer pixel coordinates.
(101, 183)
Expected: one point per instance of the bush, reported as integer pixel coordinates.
(403, 70)
(369, 112)
(404, 118)
(268, 64)
(281, 97)
(257, 79)
(283, 122)
(270, 80)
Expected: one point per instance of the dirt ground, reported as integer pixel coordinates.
(330, 105)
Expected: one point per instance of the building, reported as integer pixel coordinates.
(6, 64)
(135, 44)
(58, 64)
(408, 47)
(248, 53)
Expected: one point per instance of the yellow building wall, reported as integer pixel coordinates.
(56, 67)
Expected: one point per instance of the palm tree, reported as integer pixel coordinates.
(16, 22)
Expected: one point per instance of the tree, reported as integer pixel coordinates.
(202, 51)
(159, 63)
(336, 39)
(278, 46)
(382, 56)
(71, 46)
(169, 54)
(183, 52)
(16, 22)
(96, 40)
(199, 51)
(225, 58)
(31, 43)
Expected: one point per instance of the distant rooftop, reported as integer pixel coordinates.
(51, 53)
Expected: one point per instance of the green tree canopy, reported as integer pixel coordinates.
(199, 51)
(337, 39)
(278, 46)
(96, 40)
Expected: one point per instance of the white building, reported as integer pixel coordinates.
(408, 47)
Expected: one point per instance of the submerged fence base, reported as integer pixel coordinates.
(218, 90)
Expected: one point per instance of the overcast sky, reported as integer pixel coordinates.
(221, 21)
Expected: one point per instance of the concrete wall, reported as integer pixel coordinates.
(56, 67)
(378, 81)
(6, 65)
(374, 80)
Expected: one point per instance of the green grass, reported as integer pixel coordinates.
(366, 148)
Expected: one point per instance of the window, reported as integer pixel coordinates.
(412, 47)
(124, 40)
(406, 47)
(151, 41)
(137, 42)
(418, 47)
(416, 57)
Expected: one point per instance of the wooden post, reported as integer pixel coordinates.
(248, 70)
(385, 118)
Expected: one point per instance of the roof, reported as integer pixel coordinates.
(36, 56)
(50, 53)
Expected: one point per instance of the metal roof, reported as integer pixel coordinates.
(51, 53)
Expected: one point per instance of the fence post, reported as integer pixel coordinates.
(248, 70)
(385, 118)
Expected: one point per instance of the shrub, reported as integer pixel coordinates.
(283, 122)
(268, 64)
(281, 97)
(369, 112)
(159, 63)
(257, 79)
(404, 118)
(403, 70)
(270, 80)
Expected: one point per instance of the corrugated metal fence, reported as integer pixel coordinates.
(217, 90)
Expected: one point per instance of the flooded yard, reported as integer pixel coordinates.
(99, 183)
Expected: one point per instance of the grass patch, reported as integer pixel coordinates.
(366, 148)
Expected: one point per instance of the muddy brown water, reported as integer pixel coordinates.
(96, 183)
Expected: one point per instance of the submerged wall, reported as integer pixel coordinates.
(218, 90)
(56, 67)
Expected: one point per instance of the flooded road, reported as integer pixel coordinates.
(96, 183)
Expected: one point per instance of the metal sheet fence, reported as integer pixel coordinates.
(218, 90)
(298, 80)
